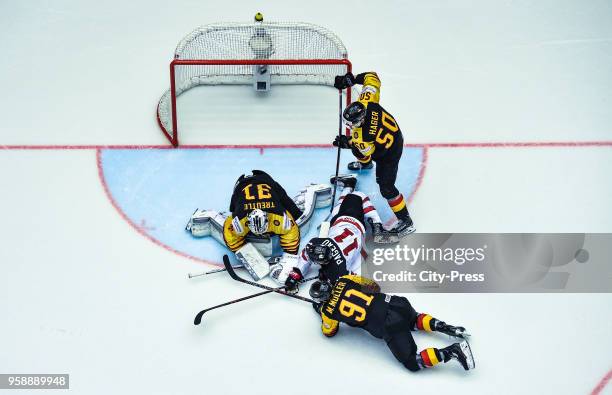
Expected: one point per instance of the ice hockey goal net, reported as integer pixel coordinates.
(259, 54)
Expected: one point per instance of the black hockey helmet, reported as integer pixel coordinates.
(320, 290)
(354, 114)
(318, 251)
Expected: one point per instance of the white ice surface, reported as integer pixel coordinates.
(81, 292)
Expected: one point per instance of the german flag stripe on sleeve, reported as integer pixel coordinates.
(397, 204)
(429, 357)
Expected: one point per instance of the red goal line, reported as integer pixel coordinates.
(519, 144)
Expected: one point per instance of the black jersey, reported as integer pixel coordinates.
(356, 301)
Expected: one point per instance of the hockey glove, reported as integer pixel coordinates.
(342, 141)
(294, 278)
(344, 81)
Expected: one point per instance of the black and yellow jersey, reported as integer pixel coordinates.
(235, 231)
(356, 301)
(380, 132)
(260, 191)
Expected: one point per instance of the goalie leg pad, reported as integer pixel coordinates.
(253, 261)
(205, 223)
(314, 196)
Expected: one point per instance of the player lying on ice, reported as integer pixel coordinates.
(375, 137)
(344, 242)
(357, 301)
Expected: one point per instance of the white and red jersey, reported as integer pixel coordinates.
(346, 238)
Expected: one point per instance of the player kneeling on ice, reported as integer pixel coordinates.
(358, 302)
(375, 136)
(340, 252)
(259, 209)
(259, 205)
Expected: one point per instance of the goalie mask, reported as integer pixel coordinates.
(320, 290)
(318, 251)
(257, 222)
(354, 115)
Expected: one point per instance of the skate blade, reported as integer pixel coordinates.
(469, 357)
(407, 231)
(460, 334)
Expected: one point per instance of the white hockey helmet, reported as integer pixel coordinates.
(257, 221)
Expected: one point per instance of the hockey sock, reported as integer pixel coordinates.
(398, 205)
(369, 211)
(345, 191)
(429, 357)
(425, 322)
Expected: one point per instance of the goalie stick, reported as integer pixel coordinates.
(233, 275)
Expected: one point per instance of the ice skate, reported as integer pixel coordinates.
(381, 235)
(461, 352)
(455, 331)
(356, 166)
(345, 180)
(404, 227)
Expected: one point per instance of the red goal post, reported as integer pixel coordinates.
(261, 54)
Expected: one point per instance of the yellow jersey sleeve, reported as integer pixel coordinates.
(234, 233)
(370, 93)
(329, 327)
(287, 230)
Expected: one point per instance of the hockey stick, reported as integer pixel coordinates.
(328, 218)
(233, 275)
(338, 155)
(191, 275)
(271, 261)
(198, 317)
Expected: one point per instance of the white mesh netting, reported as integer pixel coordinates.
(253, 41)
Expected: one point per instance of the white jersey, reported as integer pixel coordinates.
(346, 238)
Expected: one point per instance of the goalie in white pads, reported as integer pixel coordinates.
(260, 209)
(341, 251)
